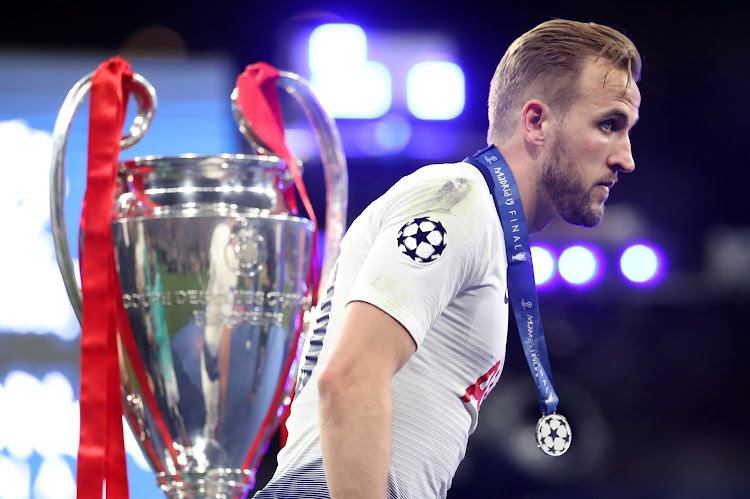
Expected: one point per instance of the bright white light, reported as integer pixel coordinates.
(333, 45)
(27, 260)
(22, 410)
(345, 82)
(544, 265)
(577, 265)
(57, 434)
(639, 263)
(365, 93)
(54, 480)
(435, 90)
(16, 479)
(42, 418)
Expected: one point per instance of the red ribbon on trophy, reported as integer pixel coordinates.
(101, 451)
(258, 100)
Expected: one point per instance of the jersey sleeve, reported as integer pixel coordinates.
(434, 238)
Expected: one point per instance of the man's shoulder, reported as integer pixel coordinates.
(441, 180)
(442, 190)
(448, 171)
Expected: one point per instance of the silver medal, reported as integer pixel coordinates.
(553, 434)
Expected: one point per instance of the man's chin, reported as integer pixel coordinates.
(587, 219)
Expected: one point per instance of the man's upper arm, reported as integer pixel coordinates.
(370, 341)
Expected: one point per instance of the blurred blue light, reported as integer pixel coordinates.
(640, 264)
(544, 265)
(424, 147)
(435, 90)
(393, 133)
(578, 265)
(388, 135)
(345, 82)
(301, 142)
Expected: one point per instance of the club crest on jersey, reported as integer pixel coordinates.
(422, 239)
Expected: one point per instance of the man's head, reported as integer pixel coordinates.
(565, 94)
(546, 63)
(589, 147)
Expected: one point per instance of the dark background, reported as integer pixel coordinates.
(654, 381)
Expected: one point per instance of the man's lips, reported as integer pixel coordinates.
(607, 183)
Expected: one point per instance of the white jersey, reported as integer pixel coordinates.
(430, 253)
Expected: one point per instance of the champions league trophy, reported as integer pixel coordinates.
(213, 266)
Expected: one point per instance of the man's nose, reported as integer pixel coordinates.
(622, 158)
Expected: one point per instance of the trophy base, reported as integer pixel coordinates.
(216, 483)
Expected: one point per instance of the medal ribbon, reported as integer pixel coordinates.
(521, 285)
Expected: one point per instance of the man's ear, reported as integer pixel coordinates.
(533, 116)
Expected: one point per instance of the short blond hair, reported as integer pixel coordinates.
(546, 63)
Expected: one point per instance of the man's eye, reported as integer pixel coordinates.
(608, 125)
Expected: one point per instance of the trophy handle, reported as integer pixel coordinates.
(145, 96)
(332, 155)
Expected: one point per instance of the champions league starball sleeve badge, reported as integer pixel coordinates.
(553, 434)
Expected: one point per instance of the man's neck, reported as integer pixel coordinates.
(527, 174)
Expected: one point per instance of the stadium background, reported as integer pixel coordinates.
(652, 378)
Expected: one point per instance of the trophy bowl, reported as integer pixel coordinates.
(213, 272)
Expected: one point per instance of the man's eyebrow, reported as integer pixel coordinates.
(620, 115)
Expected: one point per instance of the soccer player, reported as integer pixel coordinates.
(410, 336)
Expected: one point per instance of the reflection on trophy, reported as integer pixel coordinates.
(214, 267)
